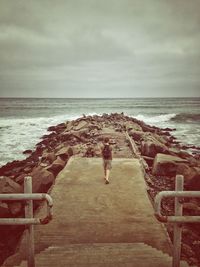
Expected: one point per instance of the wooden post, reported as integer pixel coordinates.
(30, 229)
(177, 226)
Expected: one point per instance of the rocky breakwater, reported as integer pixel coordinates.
(165, 158)
(162, 157)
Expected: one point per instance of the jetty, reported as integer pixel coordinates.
(98, 224)
(95, 224)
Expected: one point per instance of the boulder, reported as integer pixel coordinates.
(132, 125)
(48, 157)
(152, 147)
(20, 179)
(191, 207)
(15, 208)
(166, 165)
(28, 151)
(136, 135)
(42, 179)
(7, 185)
(69, 126)
(63, 151)
(56, 166)
(187, 171)
(4, 210)
(194, 183)
(81, 124)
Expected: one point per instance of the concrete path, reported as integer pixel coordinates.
(115, 222)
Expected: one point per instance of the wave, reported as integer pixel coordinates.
(156, 119)
(187, 118)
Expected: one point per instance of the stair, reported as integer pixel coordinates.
(103, 255)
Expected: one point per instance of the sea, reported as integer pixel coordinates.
(23, 121)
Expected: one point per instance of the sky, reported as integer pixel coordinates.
(99, 48)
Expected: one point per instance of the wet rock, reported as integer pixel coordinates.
(7, 185)
(166, 165)
(58, 128)
(10, 166)
(28, 151)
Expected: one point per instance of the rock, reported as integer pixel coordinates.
(70, 152)
(148, 160)
(136, 135)
(56, 166)
(81, 124)
(151, 147)
(166, 165)
(42, 179)
(20, 179)
(48, 157)
(69, 125)
(190, 206)
(63, 151)
(58, 128)
(28, 151)
(7, 185)
(194, 183)
(187, 250)
(4, 210)
(187, 172)
(15, 208)
(132, 125)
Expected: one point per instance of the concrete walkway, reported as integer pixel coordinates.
(110, 221)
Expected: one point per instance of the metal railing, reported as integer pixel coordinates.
(29, 220)
(178, 219)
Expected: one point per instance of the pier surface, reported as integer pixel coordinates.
(96, 224)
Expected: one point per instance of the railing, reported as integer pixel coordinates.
(29, 221)
(178, 219)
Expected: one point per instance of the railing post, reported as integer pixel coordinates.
(30, 229)
(177, 226)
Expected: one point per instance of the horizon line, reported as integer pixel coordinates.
(30, 97)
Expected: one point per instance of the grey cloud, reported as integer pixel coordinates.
(85, 43)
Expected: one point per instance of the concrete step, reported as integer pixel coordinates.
(99, 255)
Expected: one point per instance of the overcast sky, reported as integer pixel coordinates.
(99, 48)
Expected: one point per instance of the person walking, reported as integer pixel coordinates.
(107, 159)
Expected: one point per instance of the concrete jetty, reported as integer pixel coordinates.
(96, 224)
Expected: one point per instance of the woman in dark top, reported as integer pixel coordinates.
(107, 159)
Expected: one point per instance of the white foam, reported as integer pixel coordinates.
(18, 135)
(155, 119)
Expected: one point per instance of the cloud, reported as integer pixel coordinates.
(127, 41)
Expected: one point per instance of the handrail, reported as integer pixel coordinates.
(178, 219)
(25, 197)
(29, 221)
(174, 219)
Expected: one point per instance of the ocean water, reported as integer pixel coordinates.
(23, 120)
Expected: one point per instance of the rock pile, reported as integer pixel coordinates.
(157, 149)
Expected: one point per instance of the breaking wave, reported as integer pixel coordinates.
(155, 119)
